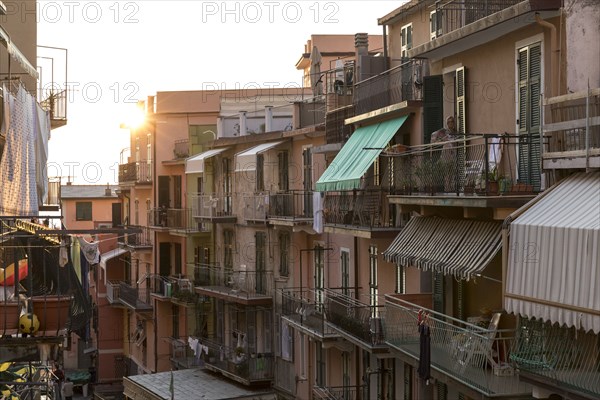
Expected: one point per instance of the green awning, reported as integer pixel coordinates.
(357, 155)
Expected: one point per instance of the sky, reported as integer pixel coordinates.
(119, 52)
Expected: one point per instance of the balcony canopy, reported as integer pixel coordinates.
(109, 255)
(195, 164)
(461, 247)
(357, 155)
(246, 160)
(554, 256)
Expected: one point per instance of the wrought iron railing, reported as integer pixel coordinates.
(401, 83)
(242, 283)
(294, 204)
(339, 86)
(174, 218)
(136, 172)
(306, 308)
(285, 378)
(55, 103)
(212, 206)
(137, 297)
(336, 130)
(142, 239)
(239, 362)
(567, 356)
(181, 148)
(358, 208)
(459, 349)
(455, 14)
(358, 319)
(475, 165)
(113, 292)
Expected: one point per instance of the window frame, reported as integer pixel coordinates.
(81, 214)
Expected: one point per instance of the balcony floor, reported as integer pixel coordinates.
(482, 380)
(313, 326)
(235, 296)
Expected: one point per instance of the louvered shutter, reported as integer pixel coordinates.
(438, 292)
(433, 105)
(461, 113)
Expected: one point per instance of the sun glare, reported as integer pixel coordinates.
(135, 118)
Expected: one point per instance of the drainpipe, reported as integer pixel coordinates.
(555, 53)
(385, 50)
(357, 366)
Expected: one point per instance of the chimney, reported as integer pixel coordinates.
(268, 118)
(108, 191)
(243, 126)
(361, 45)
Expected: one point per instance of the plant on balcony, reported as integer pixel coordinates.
(185, 296)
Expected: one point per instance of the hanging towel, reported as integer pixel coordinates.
(90, 250)
(42, 135)
(63, 255)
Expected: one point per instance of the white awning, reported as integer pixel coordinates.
(16, 54)
(246, 160)
(554, 256)
(104, 257)
(195, 164)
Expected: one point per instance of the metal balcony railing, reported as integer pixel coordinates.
(356, 318)
(305, 307)
(291, 205)
(574, 122)
(212, 206)
(251, 367)
(136, 172)
(455, 14)
(256, 207)
(174, 218)
(401, 83)
(285, 378)
(566, 356)
(311, 111)
(55, 102)
(339, 86)
(181, 149)
(459, 349)
(240, 283)
(359, 208)
(136, 297)
(145, 239)
(53, 191)
(336, 131)
(113, 292)
(356, 392)
(475, 165)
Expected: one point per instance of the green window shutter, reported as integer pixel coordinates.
(407, 382)
(461, 117)
(442, 391)
(433, 105)
(460, 299)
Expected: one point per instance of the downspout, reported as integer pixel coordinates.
(357, 365)
(506, 231)
(385, 48)
(554, 56)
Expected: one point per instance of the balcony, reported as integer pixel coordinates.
(182, 356)
(290, 209)
(304, 310)
(213, 208)
(564, 356)
(285, 378)
(401, 84)
(136, 298)
(358, 322)
(176, 289)
(311, 112)
(336, 130)
(181, 149)
(473, 356)
(135, 173)
(256, 208)
(478, 171)
(137, 241)
(235, 363)
(574, 131)
(362, 211)
(340, 86)
(341, 392)
(113, 292)
(174, 219)
(237, 286)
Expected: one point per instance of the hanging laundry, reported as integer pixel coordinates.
(318, 212)
(42, 135)
(63, 255)
(90, 250)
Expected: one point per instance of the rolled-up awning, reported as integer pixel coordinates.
(195, 164)
(109, 255)
(16, 54)
(357, 155)
(246, 160)
(554, 256)
(461, 247)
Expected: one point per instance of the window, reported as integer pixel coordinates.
(261, 278)
(320, 357)
(287, 342)
(373, 288)
(284, 253)
(400, 279)
(83, 211)
(283, 164)
(405, 40)
(228, 250)
(435, 24)
(529, 76)
(346, 374)
(345, 267)
(260, 173)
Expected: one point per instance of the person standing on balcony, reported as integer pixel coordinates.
(67, 389)
(445, 134)
(446, 157)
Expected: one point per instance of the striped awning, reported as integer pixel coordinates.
(461, 247)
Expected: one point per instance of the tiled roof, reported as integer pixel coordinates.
(86, 191)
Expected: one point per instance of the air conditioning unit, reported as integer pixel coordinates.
(104, 225)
